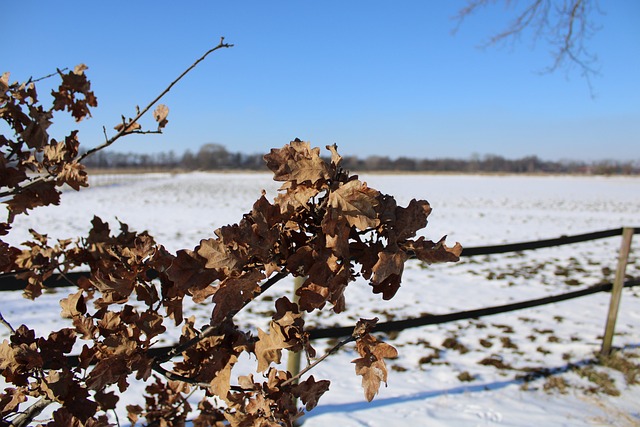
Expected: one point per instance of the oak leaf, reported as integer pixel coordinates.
(233, 294)
(220, 385)
(411, 219)
(107, 371)
(74, 305)
(387, 273)
(355, 202)
(218, 256)
(430, 252)
(10, 176)
(74, 175)
(160, 115)
(127, 126)
(11, 399)
(40, 193)
(336, 158)
(188, 271)
(293, 196)
(371, 365)
(269, 346)
(297, 162)
(310, 391)
(74, 94)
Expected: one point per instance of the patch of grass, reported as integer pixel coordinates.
(555, 383)
(430, 358)
(486, 343)
(620, 363)
(505, 328)
(507, 343)
(602, 381)
(495, 361)
(543, 350)
(466, 377)
(452, 343)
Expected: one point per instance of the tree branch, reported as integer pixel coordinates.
(25, 418)
(32, 80)
(324, 356)
(7, 324)
(212, 329)
(566, 28)
(141, 113)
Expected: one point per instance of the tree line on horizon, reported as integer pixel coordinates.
(211, 157)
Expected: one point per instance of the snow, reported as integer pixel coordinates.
(180, 209)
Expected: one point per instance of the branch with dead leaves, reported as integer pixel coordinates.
(324, 225)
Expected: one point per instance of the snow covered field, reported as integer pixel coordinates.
(465, 373)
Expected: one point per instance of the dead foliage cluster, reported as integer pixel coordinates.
(325, 225)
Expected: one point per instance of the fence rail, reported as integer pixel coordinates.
(547, 243)
(11, 283)
(399, 325)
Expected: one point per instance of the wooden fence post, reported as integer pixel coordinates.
(293, 361)
(616, 291)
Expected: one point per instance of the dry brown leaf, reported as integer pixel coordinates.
(387, 273)
(127, 127)
(269, 346)
(310, 391)
(160, 115)
(297, 162)
(371, 365)
(356, 203)
(218, 256)
(74, 305)
(234, 293)
(430, 252)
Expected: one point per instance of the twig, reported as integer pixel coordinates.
(115, 414)
(7, 324)
(324, 356)
(32, 80)
(124, 131)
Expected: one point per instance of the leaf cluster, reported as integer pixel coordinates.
(325, 225)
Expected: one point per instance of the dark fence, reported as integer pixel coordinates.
(399, 325)
(11, 283)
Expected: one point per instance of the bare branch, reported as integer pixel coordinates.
(32, 80)
(25, 418)
(566, 27)
(141, 113)
(320, 359)
(7, 324)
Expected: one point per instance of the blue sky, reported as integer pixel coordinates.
(377, 78)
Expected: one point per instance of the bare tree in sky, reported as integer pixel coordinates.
(565, 25)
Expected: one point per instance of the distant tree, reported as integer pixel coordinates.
(565, 25)
(212, 156)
